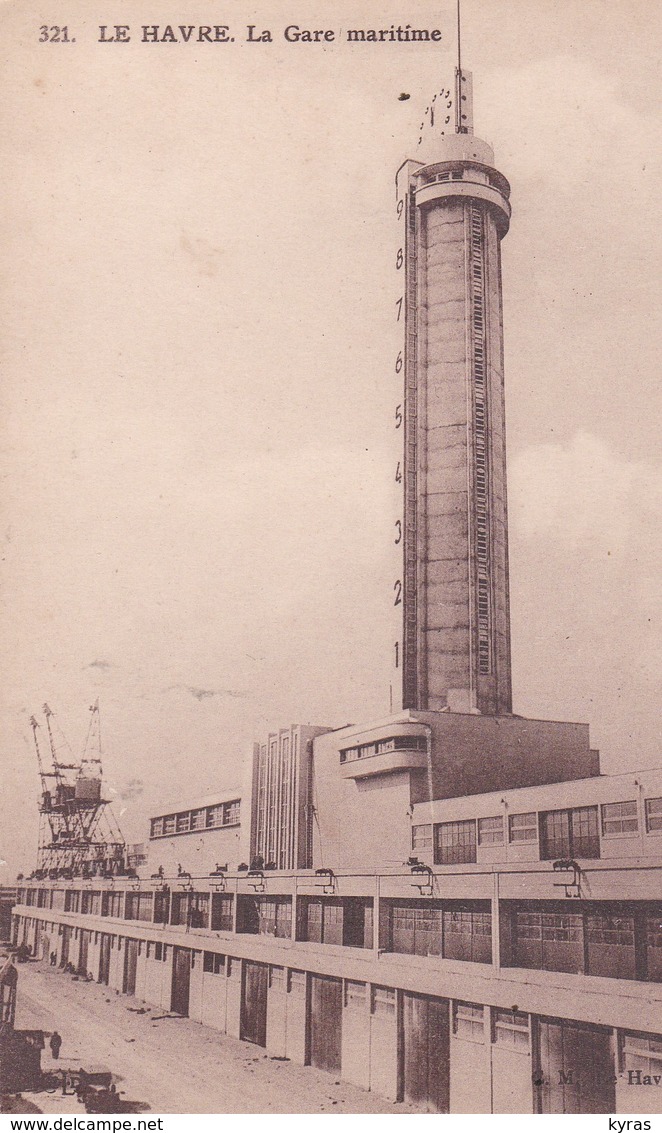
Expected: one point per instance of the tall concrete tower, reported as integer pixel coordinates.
(451, 591)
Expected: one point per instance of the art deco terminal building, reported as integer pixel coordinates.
(449, 906)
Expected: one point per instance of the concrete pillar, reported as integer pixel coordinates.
(233, 976)
(295, 1038)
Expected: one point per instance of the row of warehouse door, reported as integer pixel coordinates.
(325, 1014)
(425, 1062)
(573, 1063)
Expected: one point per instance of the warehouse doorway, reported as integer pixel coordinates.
(104, 959)
(130, 966)
(181, 980)
(83, 951)
(425, 1052)
(574, 1068)
(255, 982)
(325, 1023)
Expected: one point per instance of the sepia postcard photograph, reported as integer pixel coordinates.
(330, 744)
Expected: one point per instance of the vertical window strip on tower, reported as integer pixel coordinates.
(481, 496)
(410, 604)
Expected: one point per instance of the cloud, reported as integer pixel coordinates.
(586, 496)
(587, 611)
(207, 693)
(104, 665)
(133, 790)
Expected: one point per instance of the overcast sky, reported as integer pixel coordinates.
(195, 266)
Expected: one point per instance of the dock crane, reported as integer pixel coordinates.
(78, 834)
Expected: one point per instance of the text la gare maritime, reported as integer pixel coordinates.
(293, 33)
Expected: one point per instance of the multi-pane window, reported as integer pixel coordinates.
(455, 842)
(347, 921)
(221, 912)
(381, 747)
(332, 922)
(91, 902)
(138, 907)
(231, 813)
(585, 838)
(178, 908)
(215, 816)
(490, 830)
(214, 963)
(421, 838)
(198, 913)
(620, 818)
(266, 916)
(112, 904)
(614, 940)
(201, 818)
(198, 818)
(604, 929)
(555, 831)
(641, 1053)
(190, 909)
(570, 833)
(653, 815)
(416, 930)
(72, 901)
(550, 940)
(468, 934)
(611, 945)
(469, 1021)
(511, 1028)
(523, 827)
(311, 914)
(161, 906)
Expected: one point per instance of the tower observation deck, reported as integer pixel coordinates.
(451, 597)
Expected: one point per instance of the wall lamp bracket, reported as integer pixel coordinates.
(571, 885)
(425, 877)
(185, 880)
(327, 880)
(218, 881)
(255, 879)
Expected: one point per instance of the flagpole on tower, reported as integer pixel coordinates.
(458, 75)
(463, 88)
